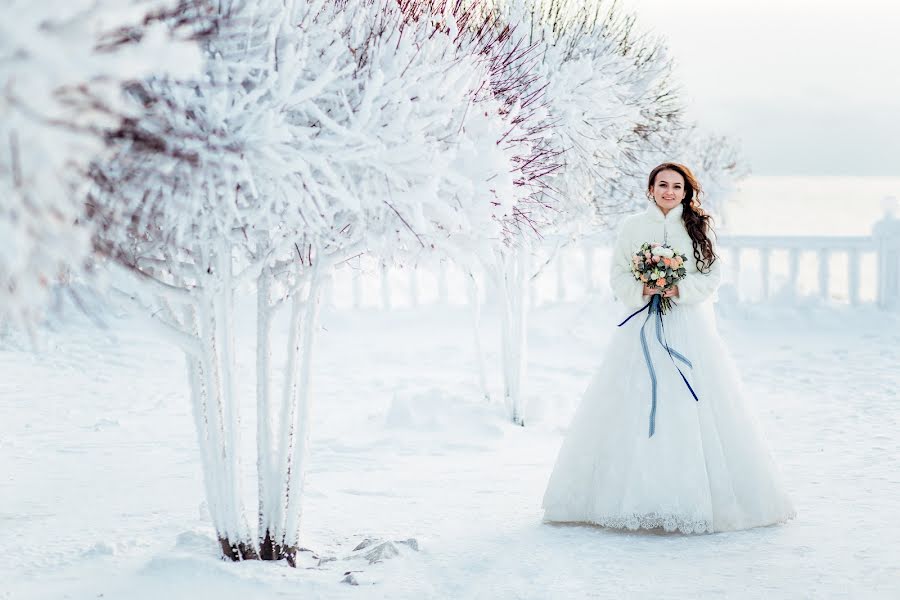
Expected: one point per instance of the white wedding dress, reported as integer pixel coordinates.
(707, 466)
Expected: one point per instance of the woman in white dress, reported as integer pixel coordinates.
(689, 457)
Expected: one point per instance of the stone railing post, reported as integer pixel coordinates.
(886, 233)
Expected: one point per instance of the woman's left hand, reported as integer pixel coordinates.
(672, 292)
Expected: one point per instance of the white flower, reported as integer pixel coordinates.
(662, 251)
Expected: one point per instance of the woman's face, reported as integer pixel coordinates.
(668, 190)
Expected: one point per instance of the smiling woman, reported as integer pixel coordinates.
(803, 84)
(664, 437)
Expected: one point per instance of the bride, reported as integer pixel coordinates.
(686, 453)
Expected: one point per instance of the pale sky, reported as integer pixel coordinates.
(808, 87)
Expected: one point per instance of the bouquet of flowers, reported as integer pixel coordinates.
(659, 266)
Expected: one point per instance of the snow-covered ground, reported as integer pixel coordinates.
(102, 496)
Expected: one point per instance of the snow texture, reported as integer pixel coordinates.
(102, 492)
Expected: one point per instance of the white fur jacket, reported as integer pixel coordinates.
(652, 226)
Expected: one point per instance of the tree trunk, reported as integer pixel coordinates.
(280, 537)
(265, 450)
(443, 288)
(513, 280)
(275, 507)
(475, 305)
(199, 400)
(386, 300)
(242, 542)
(217, 424)
(299, 457)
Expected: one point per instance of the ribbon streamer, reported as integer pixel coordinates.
(653, 308)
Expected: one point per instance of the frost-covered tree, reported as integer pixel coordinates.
(319, 130)
(716, 161)
(62, 68)
(199, 178)
(483, 31)
(434, 159)
(609, 104)
(644, 119)
(613, 94)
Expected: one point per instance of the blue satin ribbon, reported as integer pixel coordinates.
(653, 308)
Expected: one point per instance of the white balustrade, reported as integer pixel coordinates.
(808, 260)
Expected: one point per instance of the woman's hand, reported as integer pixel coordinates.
(672, 292)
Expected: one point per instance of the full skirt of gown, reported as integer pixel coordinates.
(707, 466)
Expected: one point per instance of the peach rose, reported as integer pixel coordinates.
(661, 282)
(667, 262)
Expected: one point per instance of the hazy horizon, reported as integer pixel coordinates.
(808, 88)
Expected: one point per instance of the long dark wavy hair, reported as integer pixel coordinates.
(697, 222)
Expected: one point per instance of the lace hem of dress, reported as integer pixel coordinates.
(668, 523)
